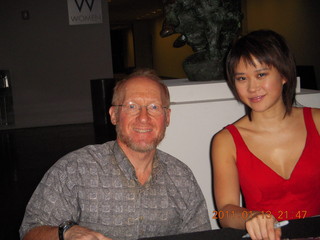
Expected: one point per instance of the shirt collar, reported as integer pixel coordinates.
(128, 169)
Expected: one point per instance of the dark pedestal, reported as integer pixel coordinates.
(101, 95)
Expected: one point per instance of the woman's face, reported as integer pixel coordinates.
(260, 86)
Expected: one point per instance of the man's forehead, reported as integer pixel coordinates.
(142, 85)
(141, 80)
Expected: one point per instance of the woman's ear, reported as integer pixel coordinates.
(284, 81)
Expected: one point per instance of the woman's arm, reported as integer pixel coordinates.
(225, 181)
(227, 192)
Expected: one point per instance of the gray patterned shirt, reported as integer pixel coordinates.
(96, 186)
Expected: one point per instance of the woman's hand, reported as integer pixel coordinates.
(261, 226)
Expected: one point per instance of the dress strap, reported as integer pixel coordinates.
(308, 119)
(238, 140)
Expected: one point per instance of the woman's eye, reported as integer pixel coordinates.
(240, 78)
(260, 75)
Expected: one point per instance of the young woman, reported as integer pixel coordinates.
(272, 154)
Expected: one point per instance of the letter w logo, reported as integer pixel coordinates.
(79, 5)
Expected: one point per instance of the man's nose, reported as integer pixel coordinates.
(143, 113)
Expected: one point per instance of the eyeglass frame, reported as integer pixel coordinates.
(140, 107)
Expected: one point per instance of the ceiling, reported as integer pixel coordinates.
(124, 12)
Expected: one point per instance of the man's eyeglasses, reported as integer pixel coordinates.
(134, 108)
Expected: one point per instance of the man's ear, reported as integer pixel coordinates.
(168, 114)
(113, 115)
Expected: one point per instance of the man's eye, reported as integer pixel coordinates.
(154, 107)
(132, 106)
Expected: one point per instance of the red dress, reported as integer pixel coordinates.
(264, 190)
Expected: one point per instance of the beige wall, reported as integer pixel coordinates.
(129, 58)
(297, 20)
(167, 60)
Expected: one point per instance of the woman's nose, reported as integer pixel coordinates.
(253, 85)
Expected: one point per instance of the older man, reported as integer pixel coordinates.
(124, 189)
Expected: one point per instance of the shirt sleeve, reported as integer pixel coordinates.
(54, 199)
(196, 216)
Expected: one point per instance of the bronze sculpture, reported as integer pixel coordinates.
(208, 27)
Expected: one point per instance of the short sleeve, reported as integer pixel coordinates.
(54, 199)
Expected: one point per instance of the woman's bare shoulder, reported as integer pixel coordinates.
(316, 112)
(224, 139)
(222, 135)
(316, 117)
(223, 143)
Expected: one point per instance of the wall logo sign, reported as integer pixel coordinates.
(84, 12)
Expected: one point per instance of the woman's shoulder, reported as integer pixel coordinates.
(223, 140)
(315, 112)
(223, 147)
(222, 134)
(225, 133)
(316, 117)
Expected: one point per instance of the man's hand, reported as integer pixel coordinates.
(82, 233)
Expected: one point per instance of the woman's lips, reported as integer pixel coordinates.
(256, 99)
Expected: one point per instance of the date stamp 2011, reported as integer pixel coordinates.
(280, 215)
(222, 214)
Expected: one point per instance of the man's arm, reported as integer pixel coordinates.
(196, 217)
(42, 232)
(74, 233)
